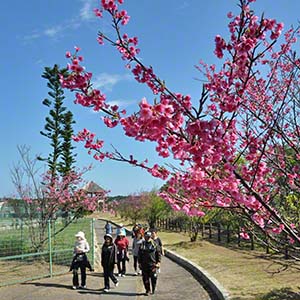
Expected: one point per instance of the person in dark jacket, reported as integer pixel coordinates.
(108, 261)
(149, 260)
(158, 242)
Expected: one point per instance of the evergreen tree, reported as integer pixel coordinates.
(58, 127)
(67, 157)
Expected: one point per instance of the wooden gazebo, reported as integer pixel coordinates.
(93, 189)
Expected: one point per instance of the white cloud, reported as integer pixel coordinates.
(53, 31)
(32, 36)
(108, 81)
(86, 11)
(85, 14)
(121, 103)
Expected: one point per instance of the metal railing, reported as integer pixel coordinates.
(22, 260)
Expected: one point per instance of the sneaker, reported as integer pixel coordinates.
(147, 293)
(140, 272)
(123, 275)
(117, 283)
(106, 290)
(74, 287)
(119, 274)
(83, 287)
(135, 273)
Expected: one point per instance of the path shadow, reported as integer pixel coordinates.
(48, 284)
(95, 274)
(100, 292)
(280, 294)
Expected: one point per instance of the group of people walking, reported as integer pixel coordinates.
(147, 250)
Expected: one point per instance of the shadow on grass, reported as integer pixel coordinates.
(185, 245)
(281, 294)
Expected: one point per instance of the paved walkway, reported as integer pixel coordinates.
(174, 282)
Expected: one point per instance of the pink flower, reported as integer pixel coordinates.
(244, 235)
(68, 54)
(98, 12)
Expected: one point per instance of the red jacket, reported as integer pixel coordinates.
(122, 244)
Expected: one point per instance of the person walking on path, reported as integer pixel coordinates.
(122, 244)
(108, 228)
(136, 243)
(134, 230)
(158, 242)
(80, 260)
(149, 260)
(108, 261)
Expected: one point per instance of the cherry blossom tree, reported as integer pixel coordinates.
(45, 197)
(235, 144)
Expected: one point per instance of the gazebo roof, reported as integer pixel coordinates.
(92, 187)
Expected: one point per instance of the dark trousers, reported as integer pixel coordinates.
(121, 263)
(82, 267)
(108, 272)
(149, 275)
(135, 262)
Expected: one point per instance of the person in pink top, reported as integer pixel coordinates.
(122, 244)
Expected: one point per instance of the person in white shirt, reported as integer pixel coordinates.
(80, 260)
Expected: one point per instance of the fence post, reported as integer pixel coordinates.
(93, 241)
(267, 245)
(228, 234)
(239, 237)
(252, 240)
(209, 232)
(22, 238)
(50, 249)
(202, 229)
(219, 232)
(286, 247)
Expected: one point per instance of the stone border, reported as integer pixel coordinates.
(203, 276)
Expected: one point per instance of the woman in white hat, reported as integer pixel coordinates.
(122, 244)
(80, 260)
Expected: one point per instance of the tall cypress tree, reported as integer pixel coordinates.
(67, 156)
(58, 128)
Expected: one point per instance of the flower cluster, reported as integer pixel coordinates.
(240, 146)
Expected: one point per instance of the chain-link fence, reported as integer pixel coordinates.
(33, 249)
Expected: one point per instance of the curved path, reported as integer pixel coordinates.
(174, 282)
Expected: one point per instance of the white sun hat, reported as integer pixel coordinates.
(80, 234)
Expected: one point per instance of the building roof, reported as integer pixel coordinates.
(92, 187)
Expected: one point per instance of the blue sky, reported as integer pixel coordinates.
(173, 35)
